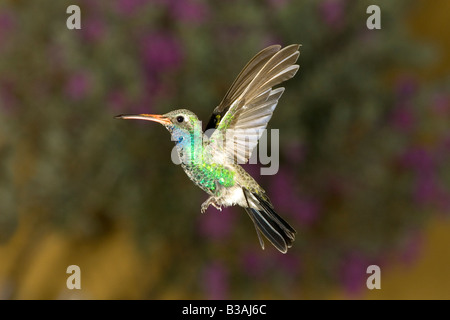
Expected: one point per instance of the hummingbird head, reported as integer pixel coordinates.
(181, 123)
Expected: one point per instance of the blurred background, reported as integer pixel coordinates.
(364, 141)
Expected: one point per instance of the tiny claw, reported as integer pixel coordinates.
(210, 201)
(205, 206)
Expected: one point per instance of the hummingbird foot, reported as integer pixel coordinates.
(210, 201)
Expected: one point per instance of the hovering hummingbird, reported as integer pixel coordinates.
(237, 124)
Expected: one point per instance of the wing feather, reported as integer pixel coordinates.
(253, 100)
(241, 82)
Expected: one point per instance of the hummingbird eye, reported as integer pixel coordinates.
(180, 119)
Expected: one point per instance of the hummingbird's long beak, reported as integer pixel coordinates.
(149, 117)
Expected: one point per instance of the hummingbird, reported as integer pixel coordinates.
(212, 160)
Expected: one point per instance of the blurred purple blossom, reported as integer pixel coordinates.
(161, 51)
(7, 24)
(217, 225)
(353, 273)
(215, 281)
(332, 13)
(429, 190)
(120, 102)
(426, 189)
(281, 190)
(77, 85)
(129, 7)
(418, 159)
(253, 263)
(305, 211)
(6, 21)
(93, 29)
(402, 118)
(301, 207)
(117, 101)
(161, 54)
(192, 11)
(289, 263)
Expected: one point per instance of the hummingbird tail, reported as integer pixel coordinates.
(268, 222)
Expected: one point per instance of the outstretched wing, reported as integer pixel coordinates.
(240, 83)
(250, 102)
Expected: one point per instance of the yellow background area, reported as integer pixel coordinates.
(427, 278)
(37, 260)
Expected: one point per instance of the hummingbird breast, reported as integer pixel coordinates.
(209, 169)
(210, 176)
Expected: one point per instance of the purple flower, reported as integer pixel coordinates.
(77, 86)
(281, 190)
(353, 272)
(402, 118)
(217, 225)
(6, 21)
(426, 189)
(117, 101)
(305, 211)
(253, 263)
(161, 52)
(93, 29)
(193, 11)
(129, 7)
(289, 263)
(332, 13)
(418, 159)
(301, 207)
(7, 24)
(430, 191)
(215, 281)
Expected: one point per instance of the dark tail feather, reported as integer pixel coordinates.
(269, 223)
